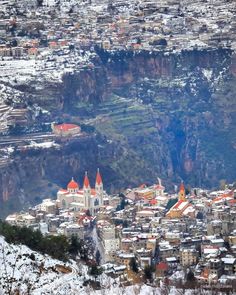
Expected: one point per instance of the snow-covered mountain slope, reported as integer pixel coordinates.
(30, 272)
(27, 272)
(24, 271)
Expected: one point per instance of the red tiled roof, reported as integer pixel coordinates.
(177, 204)
(93, 192)
(153, 202)
(66, 127)
(86, 217)
(224, 196)
(65, 192)
(233, 201)
(52, 43)
(162, 266)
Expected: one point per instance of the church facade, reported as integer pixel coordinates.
(82, 199)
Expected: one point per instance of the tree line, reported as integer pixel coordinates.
(58, 247)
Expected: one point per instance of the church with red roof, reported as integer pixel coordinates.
(81, 199)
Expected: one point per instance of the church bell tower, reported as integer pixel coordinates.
(87, 191)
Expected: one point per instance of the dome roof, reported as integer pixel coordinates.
(72, 184)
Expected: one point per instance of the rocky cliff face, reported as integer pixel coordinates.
(38, 173)
(152, 114)
(175, 113)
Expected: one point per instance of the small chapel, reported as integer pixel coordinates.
(82, 199)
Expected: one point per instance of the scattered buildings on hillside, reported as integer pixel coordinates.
(28, 31)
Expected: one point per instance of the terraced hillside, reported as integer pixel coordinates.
(172, 116)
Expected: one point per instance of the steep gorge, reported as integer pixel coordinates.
(175, 112)
(149, 114)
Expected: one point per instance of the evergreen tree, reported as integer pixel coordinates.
(148, 272)
(199, 215)
(98, 257)
(39, 3)
(95, 271)
(122, 204)
(190, 279)
(133, 265)
(74, 246)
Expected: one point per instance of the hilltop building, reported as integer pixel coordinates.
(86, 198)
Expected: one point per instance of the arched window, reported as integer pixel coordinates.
(63, 203)
(96, 202)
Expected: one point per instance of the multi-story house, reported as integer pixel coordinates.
(188, 256)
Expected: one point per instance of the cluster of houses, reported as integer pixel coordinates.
(172, 232)
(30, 31)
(175, 233)
(46, 39)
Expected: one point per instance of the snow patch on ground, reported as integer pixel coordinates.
(207, 73)
(43, 145)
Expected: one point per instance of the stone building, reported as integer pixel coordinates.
(188, 256)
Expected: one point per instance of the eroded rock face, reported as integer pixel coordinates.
(179, 111)
(154, 114)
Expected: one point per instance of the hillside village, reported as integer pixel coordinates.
(146, 230)
(144, 234)
(38, 28)
(44, 40)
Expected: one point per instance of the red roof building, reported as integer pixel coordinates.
(162, 266)
(66, 129)
(161, 269)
